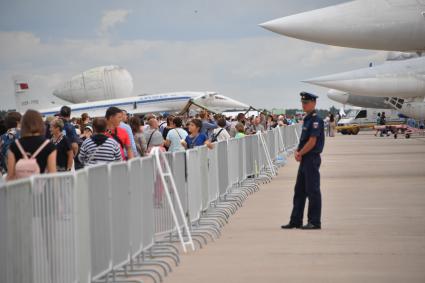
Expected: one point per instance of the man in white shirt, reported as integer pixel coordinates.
(220, 134)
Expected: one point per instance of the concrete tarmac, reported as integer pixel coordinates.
(373, 222)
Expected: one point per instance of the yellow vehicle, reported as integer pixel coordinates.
(351, 129)
(362, 118)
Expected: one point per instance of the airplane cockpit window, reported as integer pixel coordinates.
(362, 114)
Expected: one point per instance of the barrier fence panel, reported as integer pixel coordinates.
(278, 145)
(171, 193)
(203, 177)
(136, 198)
(233, 161)
(119, 181)
(164, 222)
(148, 185)
(241, 160)
(213, 186)
(193, 184)
(270, 144)
(255, 155)
(285, 137)
(100, 220)
(223, 169)
(249, 154)
(54, 231)
(261, 155)
(83, 226)
(282, 140)
(291, 136)
(16, 257)
(179, 174)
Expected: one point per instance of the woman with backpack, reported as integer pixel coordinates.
(32, 153)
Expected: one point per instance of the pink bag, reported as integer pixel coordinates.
(26, 167)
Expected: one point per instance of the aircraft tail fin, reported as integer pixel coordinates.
(31, 93)
(24, 99)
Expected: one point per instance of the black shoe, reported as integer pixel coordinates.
(310, 226)
(291, 226)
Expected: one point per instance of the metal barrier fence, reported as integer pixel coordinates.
(92, 224)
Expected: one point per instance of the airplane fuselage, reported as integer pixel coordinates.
(156, 103)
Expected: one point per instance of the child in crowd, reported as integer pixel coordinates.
(195, 137)
(240, 131)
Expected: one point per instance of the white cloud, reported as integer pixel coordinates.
(112, 18)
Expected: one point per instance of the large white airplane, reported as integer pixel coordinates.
(414, 108)
(401, 85)
(97, 89)
(404, 79)
(156, 103)
(396, 25)
(393, 25)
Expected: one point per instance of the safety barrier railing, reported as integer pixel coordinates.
(113, 221)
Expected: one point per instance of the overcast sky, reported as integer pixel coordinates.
(170, 45)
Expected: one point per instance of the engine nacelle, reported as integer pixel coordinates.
(101, 83)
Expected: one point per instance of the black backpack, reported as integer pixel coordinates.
(214, 137)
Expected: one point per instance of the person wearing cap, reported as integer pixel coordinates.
(69, 129)
(87, 132)
(308, 179)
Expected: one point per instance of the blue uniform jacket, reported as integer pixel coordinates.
(313, 126)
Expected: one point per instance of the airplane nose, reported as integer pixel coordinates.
(357, 24)
(291, 26)
(343, 81)
(311, 26)
(338, 96)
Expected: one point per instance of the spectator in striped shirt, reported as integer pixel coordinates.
(99, 148)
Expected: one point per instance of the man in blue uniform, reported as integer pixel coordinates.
(308, 180)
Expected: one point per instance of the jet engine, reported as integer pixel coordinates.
(101, 83)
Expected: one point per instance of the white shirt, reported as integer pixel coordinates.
(175, 136)
(224, 135)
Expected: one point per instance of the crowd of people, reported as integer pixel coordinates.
(31, 145)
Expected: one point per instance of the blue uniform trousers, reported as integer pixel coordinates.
(308, 186)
